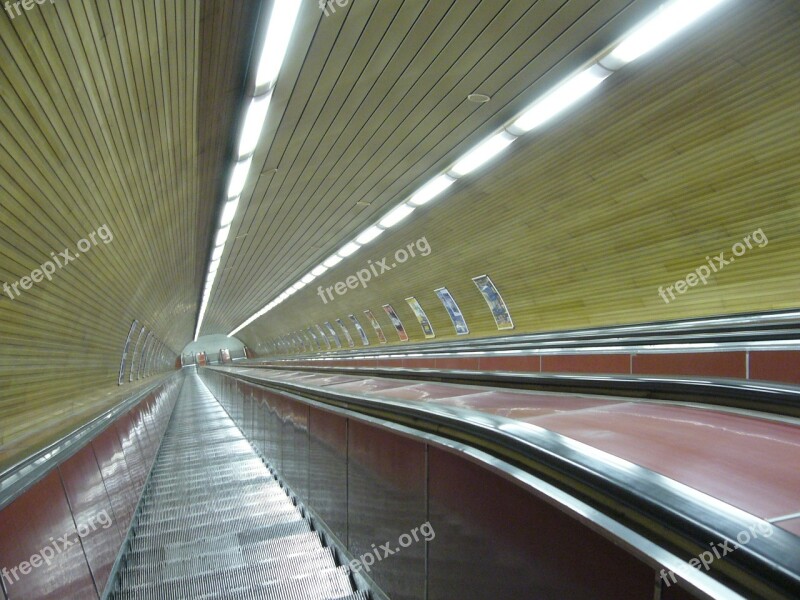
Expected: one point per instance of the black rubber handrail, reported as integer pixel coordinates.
(670, 514)
(761, 396)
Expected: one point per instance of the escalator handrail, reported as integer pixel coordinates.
(763, 396)
(679, 518)
(17, 478)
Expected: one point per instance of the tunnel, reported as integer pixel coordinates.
(399, 299)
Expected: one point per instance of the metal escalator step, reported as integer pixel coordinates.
(214, 522)
(330, 584)
(255, 552)
(208, 576)
(192, 514)
(188, 507)
(177, 532)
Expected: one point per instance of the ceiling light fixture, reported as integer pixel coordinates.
(482, 153)
(253, 123)
(669, 19)
(332, 261)
(395, 216)
(239, 177)
(560, 99)
(431, 189)
(369, 234)
(276, 40)
(279, 32)
(348, 249)
(229, 212)
(222, 235)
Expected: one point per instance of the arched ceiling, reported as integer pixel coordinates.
(372, 100)
(117, 114)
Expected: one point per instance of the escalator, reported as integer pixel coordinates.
(214, 523)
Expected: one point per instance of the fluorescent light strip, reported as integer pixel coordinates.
(430, 190)
(348, 249)
(229, 212)
(253, 123)
(396, 216)
(481, 154)
(222, 235)
(369, 234)
(239, 177)
(560, 99)
(332, 261)
(279, 32)
(669, 19)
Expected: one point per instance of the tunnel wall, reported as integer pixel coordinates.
(66, 530)
(370, 484)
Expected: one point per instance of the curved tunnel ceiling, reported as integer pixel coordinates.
(126, 114)
(587, 222)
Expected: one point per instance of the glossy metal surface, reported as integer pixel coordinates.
(91, 507)
(117, 479)
(747, 462)
(365, 385)
(426, 391)
(293, 421)
(26, 528)
(485, 545)
(517, 405)
(386, 499)
(495, 540)
(328, 469)
(17, 478)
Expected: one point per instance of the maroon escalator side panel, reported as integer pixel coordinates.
(92, 511)
(80, 511)
(40, 548)
(496, 540)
